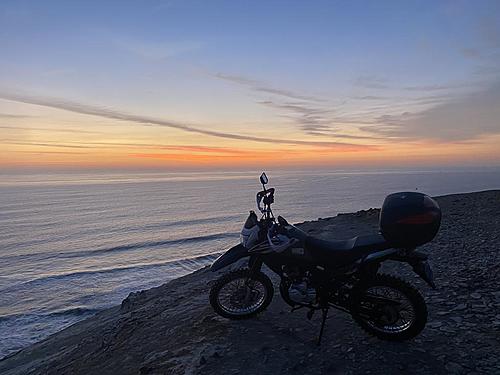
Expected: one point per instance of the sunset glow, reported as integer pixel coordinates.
(161, 87)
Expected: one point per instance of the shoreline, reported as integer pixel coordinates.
(116, 327)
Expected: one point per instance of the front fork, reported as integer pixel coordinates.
(254, 265)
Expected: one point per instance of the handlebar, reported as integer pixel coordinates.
(267, 196)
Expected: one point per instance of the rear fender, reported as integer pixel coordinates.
(229, 257)
(418, 261)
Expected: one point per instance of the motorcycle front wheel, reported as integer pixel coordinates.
(388, 308)
(237, 295)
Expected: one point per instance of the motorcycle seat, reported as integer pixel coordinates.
(342, 252)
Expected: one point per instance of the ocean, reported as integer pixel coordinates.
(76, 243)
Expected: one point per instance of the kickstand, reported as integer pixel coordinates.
(325, 313)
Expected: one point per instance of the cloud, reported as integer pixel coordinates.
(377, 83)
(50, 130)
(346, 136)
(310, 118)
(437, 87)
(464, 118)
(369, 97)
(10, 116)
(155, 50)
(200, 153)
(443, 114)
(306, 111)
(155, 146)
(201, 149)
(314, 115)
(179, 149)
(43, 144)
(49, 152)
(320, 122)
(150, 121)
(309, 112)
(260, 87)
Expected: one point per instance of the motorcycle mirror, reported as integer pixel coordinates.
(263, 178)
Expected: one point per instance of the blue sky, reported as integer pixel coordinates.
(361, 72)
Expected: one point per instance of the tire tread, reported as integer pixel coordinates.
(413, 294)
(243, 272)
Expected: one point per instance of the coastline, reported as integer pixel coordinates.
(172, 329)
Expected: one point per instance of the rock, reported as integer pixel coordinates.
(447, 330)
(435, 324)
(496, 295)
(216, 355)
(454, 368)
(469, 325)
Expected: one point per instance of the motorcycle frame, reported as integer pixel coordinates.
(324, 277)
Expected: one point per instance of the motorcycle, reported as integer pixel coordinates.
(318, 274)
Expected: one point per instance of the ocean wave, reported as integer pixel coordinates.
(76, 311)
(147, 244)
(73, 311)
(121, 248)
(189, 222)
(186, 263)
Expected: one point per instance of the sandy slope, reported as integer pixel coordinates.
(173, 330)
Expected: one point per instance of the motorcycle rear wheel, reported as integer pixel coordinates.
(236, 295)
(389, 308)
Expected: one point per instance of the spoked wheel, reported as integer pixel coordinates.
(237, 296)
(389, 308)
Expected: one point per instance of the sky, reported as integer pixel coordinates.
(236, 84)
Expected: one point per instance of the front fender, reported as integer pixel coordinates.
(229, 257)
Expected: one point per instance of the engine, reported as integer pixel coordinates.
(298, 286)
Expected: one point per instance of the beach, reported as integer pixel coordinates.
(171, 329)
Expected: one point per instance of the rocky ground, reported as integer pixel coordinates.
(173, 330)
